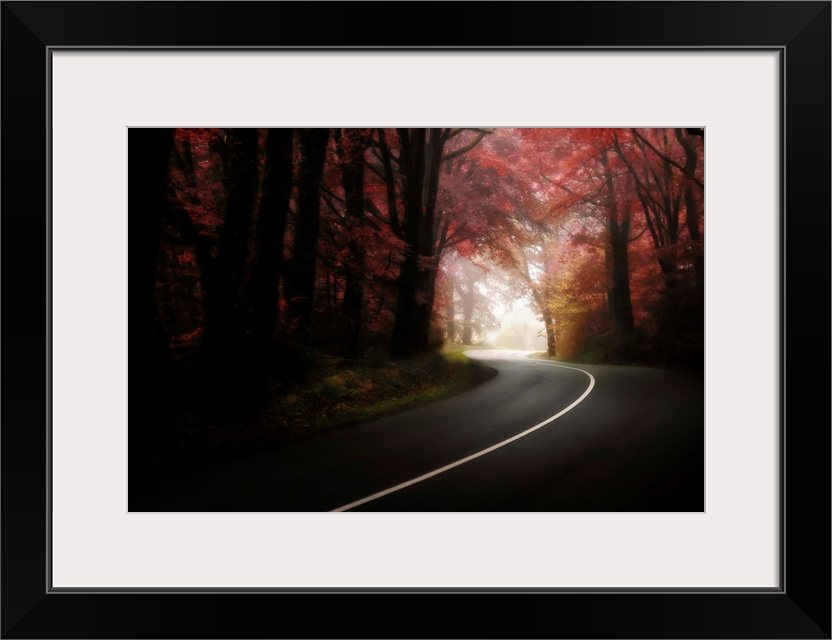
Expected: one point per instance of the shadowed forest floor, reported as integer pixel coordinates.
(335, 394)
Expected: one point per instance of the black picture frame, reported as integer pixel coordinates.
(800, 608)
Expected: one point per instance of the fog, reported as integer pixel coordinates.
(520, 328)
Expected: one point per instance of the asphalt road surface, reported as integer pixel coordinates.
(540, 436)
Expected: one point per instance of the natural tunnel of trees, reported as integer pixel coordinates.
(250, 246)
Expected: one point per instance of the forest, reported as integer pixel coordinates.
(255, 255)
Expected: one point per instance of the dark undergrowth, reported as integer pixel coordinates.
(638, 350)
(334, 394)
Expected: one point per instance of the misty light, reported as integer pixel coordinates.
(520, 328)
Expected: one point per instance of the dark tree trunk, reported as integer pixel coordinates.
(670, 320)
(691, 206)
(421, 159)
(179, 217)
(405, 304)
(223, 340)
(262, 290)
(623, 306)
(661, 212)
(352, 174)
(692, 215)
(412, 160)
(619, 232)
(300, 284)
(428, 262)
(423, 310)
(148, 155)
(608, 280)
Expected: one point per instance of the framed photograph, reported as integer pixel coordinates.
(708, 123)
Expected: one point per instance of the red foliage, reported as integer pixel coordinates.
(540, 203)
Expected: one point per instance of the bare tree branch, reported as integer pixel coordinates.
(467, 147)
(667, 159)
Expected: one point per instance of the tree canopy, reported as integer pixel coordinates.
(264, 242)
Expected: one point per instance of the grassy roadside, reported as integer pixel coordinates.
(335, 394)
(340, 394)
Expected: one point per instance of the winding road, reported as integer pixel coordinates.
(540, 436)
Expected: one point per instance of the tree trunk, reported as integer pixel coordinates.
(670, 321)
(352, 174)
(300, 285)
(224, 336)
(420, 162)
(549, 323)
(412, 161)
(450, 315)
(405, 304)
(468, 303)
(262, 292)
(608, 281)
(619, 231)
(623, 306)
(691, 207)
(428, 263)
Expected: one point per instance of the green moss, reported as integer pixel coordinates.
(339, 397)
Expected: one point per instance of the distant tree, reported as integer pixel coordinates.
(464, 279)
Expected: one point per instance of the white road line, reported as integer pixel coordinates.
(474, 456)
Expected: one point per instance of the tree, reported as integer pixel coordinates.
(530, 263)
(663, 184)
(464, 280)
(505, 221)
(263, 287)
(618, 225)
(230, 202)
(300, 276)
(352, 143)
(225, 329)
(413, 165)
(379, 236)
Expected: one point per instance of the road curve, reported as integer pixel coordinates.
(540, 436)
